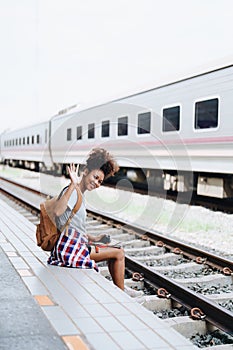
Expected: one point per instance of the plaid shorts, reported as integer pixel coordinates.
(72, 251)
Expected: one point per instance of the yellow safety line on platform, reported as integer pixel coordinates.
(43, 300)
(74, 342)
(24, 272)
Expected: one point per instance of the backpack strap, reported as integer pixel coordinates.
(74, 210)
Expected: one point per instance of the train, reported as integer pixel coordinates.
(177, 136)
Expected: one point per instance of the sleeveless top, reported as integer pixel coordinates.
(79, 220)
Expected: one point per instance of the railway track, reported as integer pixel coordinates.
(167, 274)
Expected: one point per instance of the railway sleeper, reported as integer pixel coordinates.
(136, 243)
(112, 231)
(124, 237)
(92, 221)
(142, 252)
(154, 303)
(191, 329)
(187, 326)
(206, 281)
(183, 267)
(220, 297)
(107, 230)
(166, 259)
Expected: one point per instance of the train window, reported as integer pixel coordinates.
(16, 142)
(91, 131)
(105, 128)
(79, 132)
(37, 138)
(68, 134)
(144, 121)
(24, 141)
(28, 140)
(20, 141)
(122, 126)
(33, 140)
(171, 118)
(206, 114)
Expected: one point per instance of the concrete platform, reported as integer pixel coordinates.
(49, 307)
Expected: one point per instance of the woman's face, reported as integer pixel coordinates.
(93, 179)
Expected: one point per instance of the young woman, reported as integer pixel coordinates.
(72, 249)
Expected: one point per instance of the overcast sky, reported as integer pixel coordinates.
(57, 53)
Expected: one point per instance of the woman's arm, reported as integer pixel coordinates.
(62, 202)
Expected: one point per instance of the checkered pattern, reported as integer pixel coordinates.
(71, 251)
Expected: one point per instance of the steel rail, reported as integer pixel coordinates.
(215, 314)
(193, 252)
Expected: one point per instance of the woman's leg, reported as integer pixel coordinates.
(116, 263)
(110, 266)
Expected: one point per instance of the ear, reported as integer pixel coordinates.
(85, 172)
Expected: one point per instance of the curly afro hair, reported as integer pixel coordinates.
(99, 158)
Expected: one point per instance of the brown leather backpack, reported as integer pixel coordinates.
(47, 232)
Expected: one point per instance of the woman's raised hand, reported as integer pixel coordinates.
(73, 173)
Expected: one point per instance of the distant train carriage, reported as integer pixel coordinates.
(27, 148)
(178, 136)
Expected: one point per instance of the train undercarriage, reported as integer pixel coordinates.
(204, 184)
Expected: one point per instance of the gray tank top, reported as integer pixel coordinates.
(79, 220)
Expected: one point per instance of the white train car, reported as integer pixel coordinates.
(27, 148)
(177, 136)
(180, 134)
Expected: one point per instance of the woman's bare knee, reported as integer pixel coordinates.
(106, 254)
(120, 254)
